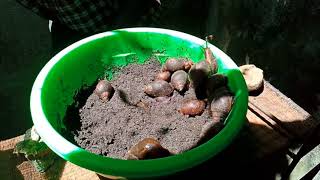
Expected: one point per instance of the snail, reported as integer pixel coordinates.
(221, 104)
(179, 80)
(199, 72)
(158, 88)
(187, 65)
(173, 64)
(209, 58)
(147, 148)
(192, 107)
(214, 82)
(165, 76)
(104, 90)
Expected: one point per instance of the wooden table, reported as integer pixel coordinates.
(263, 150)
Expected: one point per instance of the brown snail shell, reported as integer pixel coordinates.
(165, 76)
(221, 104)
(147, 148)
(104, 90)
(179, 80)
(192, 107)
(158, 88)
(173, 64)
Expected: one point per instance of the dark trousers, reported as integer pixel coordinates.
(62, 37)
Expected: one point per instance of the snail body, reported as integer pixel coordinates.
(209, 57)
(199, 72)
(211, 60)
(214, 82)
(187, 65)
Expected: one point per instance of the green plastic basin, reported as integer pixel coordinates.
(83, 62)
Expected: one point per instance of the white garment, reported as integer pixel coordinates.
(50, 25)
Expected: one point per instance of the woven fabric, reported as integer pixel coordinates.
(89, 16)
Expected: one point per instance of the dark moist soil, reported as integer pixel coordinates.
(111, 128)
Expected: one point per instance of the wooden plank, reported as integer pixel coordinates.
(284, 112)
(10, 143)
(267, 140)
(14, 167)
(8, 162)
(261, 116)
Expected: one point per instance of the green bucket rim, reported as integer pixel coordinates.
(142, 168)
